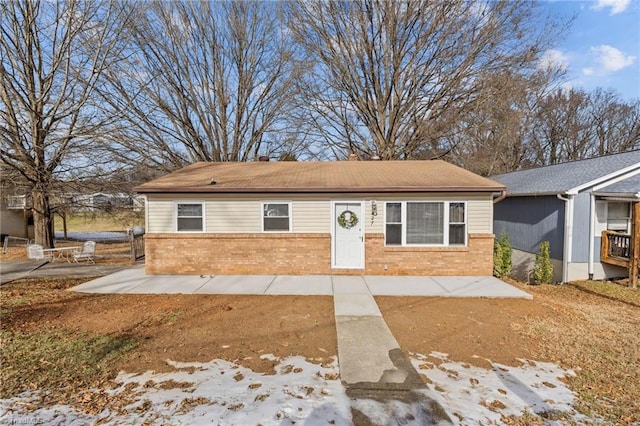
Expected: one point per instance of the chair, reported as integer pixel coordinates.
(37, 252)
(87, 252)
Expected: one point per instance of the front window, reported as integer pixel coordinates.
(394, 224)
(190, 217)
(425, 223)
(457, 224)
(276, 217)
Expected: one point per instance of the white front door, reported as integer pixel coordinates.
(348, 235)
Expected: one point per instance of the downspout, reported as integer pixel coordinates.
(568, 235)
(592, 232)
(502, 196)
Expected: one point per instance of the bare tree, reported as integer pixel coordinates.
(562, 130)
(205, 81)
(575, 124)
(392, 76)
(52, 54)
(493, 137)
(615, 123)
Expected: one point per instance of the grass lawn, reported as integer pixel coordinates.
(100, 221)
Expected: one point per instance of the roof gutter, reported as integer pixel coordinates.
(353, 190)
(502, 196)
(592, 232)
(568, 235)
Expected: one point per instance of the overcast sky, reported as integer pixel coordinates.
(603, 45)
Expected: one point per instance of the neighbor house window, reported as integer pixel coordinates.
(276, 217)
(619, 216)
(425, 223)
(190, 217)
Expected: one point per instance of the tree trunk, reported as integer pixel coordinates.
(42, 218)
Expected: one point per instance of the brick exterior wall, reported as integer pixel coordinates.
(231, 254)
(475, 259)
(302, 254)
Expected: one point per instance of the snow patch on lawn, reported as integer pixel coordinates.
(475, 395)
(221, 392)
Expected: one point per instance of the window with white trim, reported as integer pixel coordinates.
(425, 223)
(393, 215)
(276, 217)
(190, 217)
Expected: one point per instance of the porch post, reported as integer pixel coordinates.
(634, 255)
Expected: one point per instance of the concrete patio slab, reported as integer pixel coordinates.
(134, 280)
(349, 284)
(404, 286)
(237, 284)
(118, 282)
(172, 284)
(489, 287)
(307, 285)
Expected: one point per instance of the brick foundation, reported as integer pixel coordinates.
(306, 254)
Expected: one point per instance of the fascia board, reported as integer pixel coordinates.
(616, 180)
(610, 176)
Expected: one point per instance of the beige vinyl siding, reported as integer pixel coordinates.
(310, 217)
(373, 224)
(480, 216)
(160, 215)
(230, 216)
(310, 213)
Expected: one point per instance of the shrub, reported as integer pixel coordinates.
(542, 267)
(502, 256)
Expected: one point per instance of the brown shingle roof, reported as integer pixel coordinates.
(320, 177)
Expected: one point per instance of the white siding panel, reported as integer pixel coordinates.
(160, 215)
(311, 216)
(228, 216)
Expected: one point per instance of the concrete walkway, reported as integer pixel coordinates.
(11, 270)
(372, 364)
(135, 280)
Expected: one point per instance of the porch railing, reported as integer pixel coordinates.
(615, 248)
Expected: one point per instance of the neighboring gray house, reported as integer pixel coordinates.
(570, 205)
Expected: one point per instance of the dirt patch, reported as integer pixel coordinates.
(178, 327)
(589, 327)
(469, 330)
